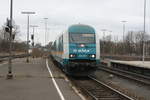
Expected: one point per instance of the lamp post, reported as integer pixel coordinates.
(45, 29)
(143, 37)
(10, 75)
(123, 32)
(28, 13)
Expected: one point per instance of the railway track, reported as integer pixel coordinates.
(125, 74)
(97, 90)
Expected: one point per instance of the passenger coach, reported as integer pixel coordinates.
(77, 50)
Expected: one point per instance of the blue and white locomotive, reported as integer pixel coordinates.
(77, 50)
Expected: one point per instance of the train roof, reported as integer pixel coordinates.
(81, 28)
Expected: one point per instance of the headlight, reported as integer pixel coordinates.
(72, 55)
(82, 45)
(93, 56)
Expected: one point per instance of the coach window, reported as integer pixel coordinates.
(61, 43)
(55, 45)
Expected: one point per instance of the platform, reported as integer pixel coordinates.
(145, 64)
(137, 67)
(32, 81)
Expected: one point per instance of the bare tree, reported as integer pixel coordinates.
(4, 37)
(131, 46)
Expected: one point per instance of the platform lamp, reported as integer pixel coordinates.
(124, 27)
(28, 20)
(123, 34)
(45, 29)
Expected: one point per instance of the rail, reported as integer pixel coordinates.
(126, 74)
(97, 90)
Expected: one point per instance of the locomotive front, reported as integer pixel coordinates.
(82, 50)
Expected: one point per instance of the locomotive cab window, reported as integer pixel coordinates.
(81, 38)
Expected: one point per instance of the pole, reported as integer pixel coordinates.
(104, 42)
(143, 58)
(28, 23)
(45, 29)
(33, 43)
(124, 27)
(10, 75)
(33, 37)
(123, 33)
(103, 50)
(33, 26)
(27, 60)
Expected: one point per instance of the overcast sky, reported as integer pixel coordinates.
(101, 14)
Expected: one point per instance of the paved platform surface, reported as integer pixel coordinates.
(145, 64)
(32, 81)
